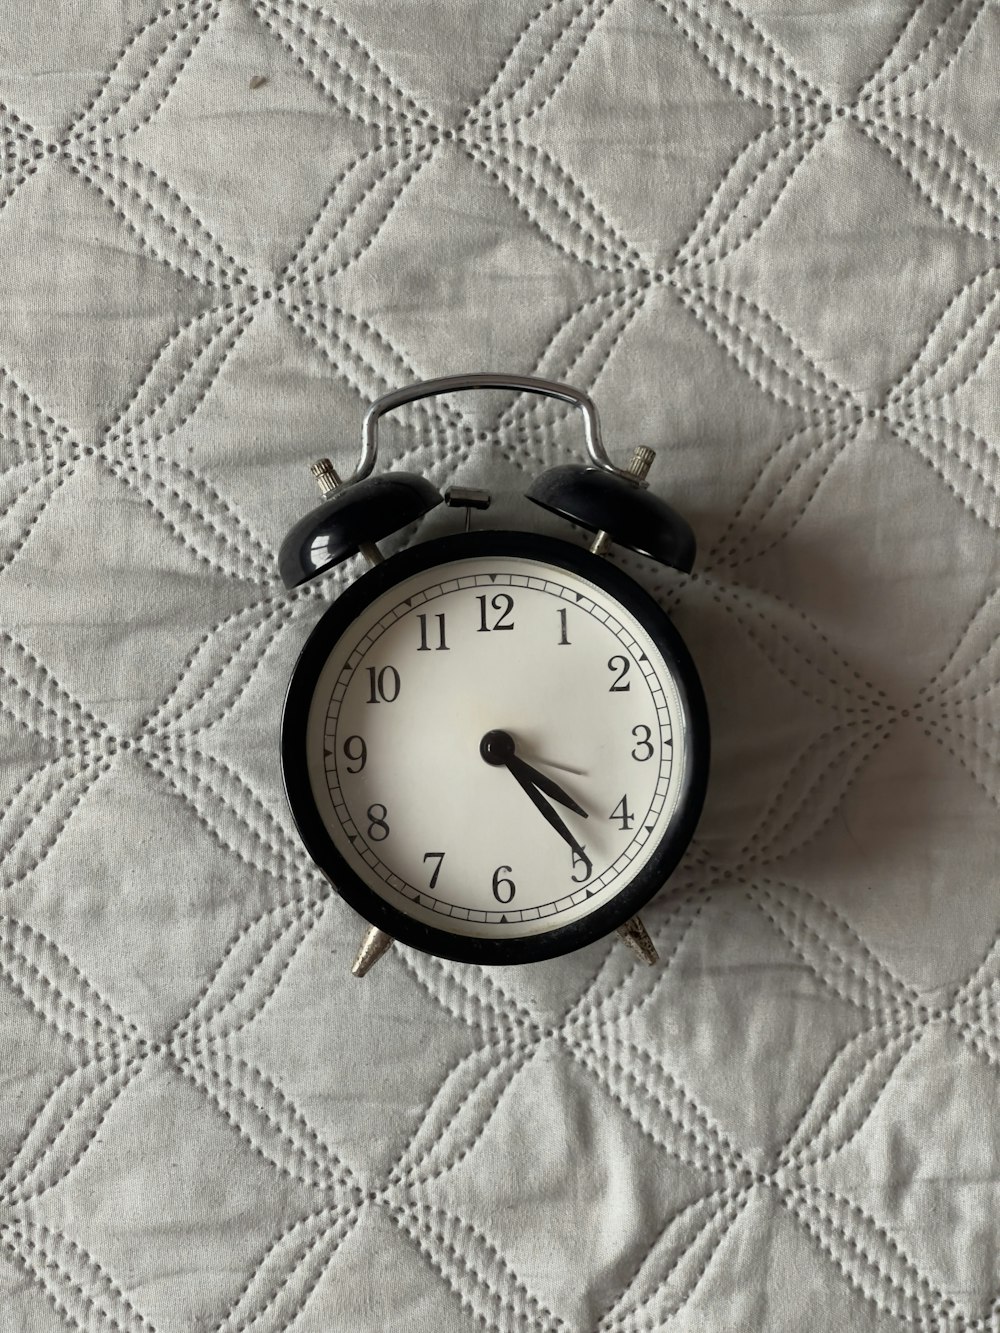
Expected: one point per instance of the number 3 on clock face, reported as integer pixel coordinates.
(496, 746)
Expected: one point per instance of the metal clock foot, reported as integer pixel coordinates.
(373, 946)
(636, 936)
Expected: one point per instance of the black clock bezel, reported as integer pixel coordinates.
(352, 888)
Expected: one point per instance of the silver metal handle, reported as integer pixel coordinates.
(482, 380)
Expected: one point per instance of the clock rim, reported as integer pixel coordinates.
(365, 900)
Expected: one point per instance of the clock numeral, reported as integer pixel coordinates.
(430, 856)
(581, 861)
(622, 812)
(563, 636)
(383, 685)
(644, 743)
(620, 664)
(503, 888)
(357, 750)
(440, 646)
(378, 823)
(501, 602)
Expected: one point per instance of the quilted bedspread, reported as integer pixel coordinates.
(765, 236)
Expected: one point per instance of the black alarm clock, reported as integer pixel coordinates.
(494, 743)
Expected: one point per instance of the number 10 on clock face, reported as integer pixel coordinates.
(501, 739)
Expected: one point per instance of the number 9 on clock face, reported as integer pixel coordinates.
(496, 746)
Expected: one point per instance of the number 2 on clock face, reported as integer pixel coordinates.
(476, 646)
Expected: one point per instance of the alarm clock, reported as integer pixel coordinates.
(494, 743)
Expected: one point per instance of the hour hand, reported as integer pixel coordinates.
(498, 748)
(523, 771)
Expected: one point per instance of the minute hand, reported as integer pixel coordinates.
(525, 774)
(542, 805)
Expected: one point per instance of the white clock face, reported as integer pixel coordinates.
(590, 725)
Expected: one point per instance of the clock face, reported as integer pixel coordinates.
(500, 746)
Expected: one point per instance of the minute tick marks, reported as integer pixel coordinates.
(519, 662)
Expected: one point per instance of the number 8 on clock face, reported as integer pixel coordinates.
(496, 746)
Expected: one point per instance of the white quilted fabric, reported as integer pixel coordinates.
(765, 236)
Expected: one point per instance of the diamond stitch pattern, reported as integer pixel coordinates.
(765, 241)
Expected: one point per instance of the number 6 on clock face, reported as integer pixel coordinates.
(496, 746)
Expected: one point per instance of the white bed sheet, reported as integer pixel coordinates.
(765, 237)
